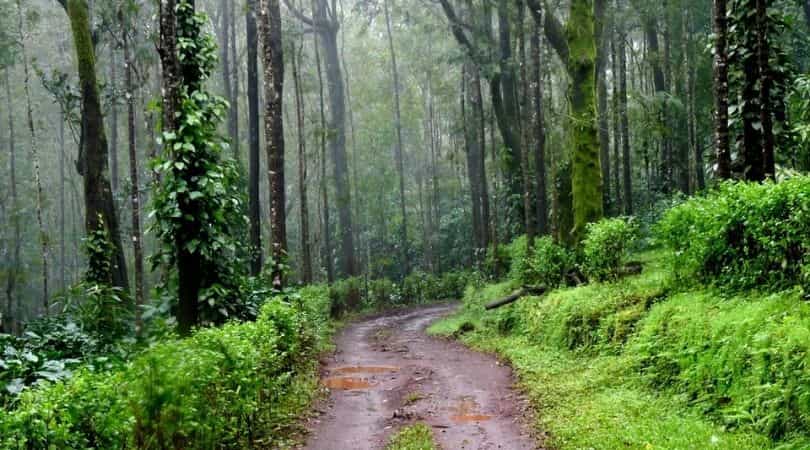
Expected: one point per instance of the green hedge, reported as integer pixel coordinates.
(228, 387)
(743, 235)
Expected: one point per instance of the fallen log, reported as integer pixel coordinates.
(631, 268)
(515, 296)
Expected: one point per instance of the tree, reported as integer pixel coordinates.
(197, 209)
(325, 22)
(273, 58)
(254, 208)
(723, 149)
(135, 194)
(398, 159)
(575, 45)
(100, 213)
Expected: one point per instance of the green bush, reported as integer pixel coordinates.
(344, 295)
(547, 265)
(606, 246)
(743, 235)
(223, 387)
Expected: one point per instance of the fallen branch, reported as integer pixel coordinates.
(515, 296)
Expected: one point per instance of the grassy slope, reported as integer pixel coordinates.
(577, 353)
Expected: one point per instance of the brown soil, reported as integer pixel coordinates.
(387, 373)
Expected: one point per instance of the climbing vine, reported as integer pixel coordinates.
(198, 206)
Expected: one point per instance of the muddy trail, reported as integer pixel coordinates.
(387, 373)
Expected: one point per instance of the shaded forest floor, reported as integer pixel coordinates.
(386, 374)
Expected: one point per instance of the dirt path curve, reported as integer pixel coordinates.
(386, 373)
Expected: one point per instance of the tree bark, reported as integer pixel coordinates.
(765, 83)
(529, 219)
(114, 171)
(11, 279)
(254, 208)
(539, 128)
(273, 58)
(326, 223)
(627, 168)
(722, 144)
(93, 159)
(472, 149)
(306, 254)
(602, 31)
(43, 238)
(135, 195)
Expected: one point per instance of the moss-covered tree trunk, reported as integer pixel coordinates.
(586, 172)
(93, 158)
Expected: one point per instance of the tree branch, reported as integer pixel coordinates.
(298, 14)
(458, 31)
(552, 28)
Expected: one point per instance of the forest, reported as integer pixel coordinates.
(266, 223)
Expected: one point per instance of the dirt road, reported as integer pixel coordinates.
(387, 373)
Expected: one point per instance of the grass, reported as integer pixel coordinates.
(413, 437)
(635, 364)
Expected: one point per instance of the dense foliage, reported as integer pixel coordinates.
(232, 386)
(743, 235)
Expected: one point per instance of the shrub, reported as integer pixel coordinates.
(344, 295)
(223, 387)
(743, 235)
(606, 246)
(547, 265)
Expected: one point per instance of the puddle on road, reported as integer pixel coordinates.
(347, 383)
(467, 411)
(363, 369)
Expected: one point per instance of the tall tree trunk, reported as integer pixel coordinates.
(135, 195)
(586, 175)
(529, 220)
(539, 133)
(43, 238)
(100, 210)
(306, 255)
(174, 78)
(62, 206)
(627, 178)
(722, 144)
(326, 223)
(487, 229)
(398, 150)
(327, 28)
(689, 69)
(225, 57)
(765, 82)
(602, 31)
(660, 88)
(753, 167)
(472, 147)
(11, 279)
(273, 59)
(505, 103)
(616, 122)
(254, 209)
(114, 171)
(233, 112)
